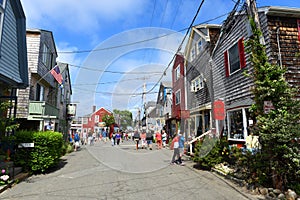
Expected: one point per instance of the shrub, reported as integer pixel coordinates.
(48, 148)
(211, 151)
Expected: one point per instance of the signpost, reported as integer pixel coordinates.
(219, 110)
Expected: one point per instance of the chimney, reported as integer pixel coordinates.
(94, 109)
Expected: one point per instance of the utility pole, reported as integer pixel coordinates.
(144, 103)
(252, 9)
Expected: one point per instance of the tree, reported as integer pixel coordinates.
(125, 117)
(108, 119)
(278, 128)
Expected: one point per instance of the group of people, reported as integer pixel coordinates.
(147, 137)
(178, 146)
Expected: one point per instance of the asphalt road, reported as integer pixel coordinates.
(103, 171)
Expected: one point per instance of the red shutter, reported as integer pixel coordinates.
(298, 23)
(242, 53)
(226, 64)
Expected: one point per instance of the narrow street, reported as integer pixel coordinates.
(103, 171)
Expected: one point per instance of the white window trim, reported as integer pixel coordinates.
(245, 132)
(177, 72)
(200, 85)
(178, 92)
(193, 53)
(97, 117)
(199, 48)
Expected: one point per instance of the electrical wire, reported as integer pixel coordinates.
(109, 82)
(109, 71)
(128, 44)
(179, 48)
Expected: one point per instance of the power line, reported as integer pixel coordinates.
(129, 44)
(110, 71)
(179, 48)
(114, 93)
(109, 82)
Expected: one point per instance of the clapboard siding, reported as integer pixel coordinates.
(201, 66)
(9, 63)
(237, 86)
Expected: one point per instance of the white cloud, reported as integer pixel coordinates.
(78, 16)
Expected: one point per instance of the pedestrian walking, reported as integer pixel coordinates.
(136, 137)
(143, 139)
(84, 138)
(158, 139)
(164, 138)
(90, 137)
(104, 135)
(181, 141)
(175, 146)
(149, 138)
(118, 137)
(76, 139)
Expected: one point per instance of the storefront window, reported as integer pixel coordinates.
(235, 120)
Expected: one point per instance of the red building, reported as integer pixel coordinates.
(179, 112)
(93, 122)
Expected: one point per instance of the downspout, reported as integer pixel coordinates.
(278, 44)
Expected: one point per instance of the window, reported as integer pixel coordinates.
(197, 84)
(84, 121)
(238, 124)
(193, 54)
(234, 58)
(199, 45)
(62, 94)
(177, 73)
(96, 118)
(47, 57)
(177, 97)
(40, 91)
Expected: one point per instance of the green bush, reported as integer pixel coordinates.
(210, 151)
(47, 150)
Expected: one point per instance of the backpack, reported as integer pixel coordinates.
(76, 137)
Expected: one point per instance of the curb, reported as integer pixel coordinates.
(18, 178)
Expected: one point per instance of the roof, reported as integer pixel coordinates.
(280, 11)
(166, 84)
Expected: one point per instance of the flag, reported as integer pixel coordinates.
(56, 74)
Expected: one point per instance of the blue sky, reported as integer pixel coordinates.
(85, 32)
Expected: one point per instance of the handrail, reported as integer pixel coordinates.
(196, 139)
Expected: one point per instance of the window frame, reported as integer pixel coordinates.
(196, 87)
(40, 92)
(199, 47)
(97, 117)
(178, 99)
(47, 57)
(244, 126)
(241, 58)
(177, 72)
